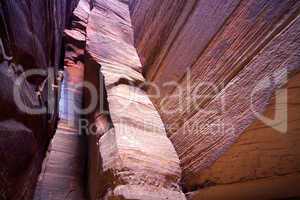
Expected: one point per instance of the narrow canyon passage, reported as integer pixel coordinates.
(132, 158)
(157, 100)
(64, 168)
(62, 176)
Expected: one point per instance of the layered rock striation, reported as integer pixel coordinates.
(130, 156)
(212, 75)
(222, 74)
(136, 159)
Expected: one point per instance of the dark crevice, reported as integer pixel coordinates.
(93, 75)
(62, 54)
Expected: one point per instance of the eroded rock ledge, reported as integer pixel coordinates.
(137, 160)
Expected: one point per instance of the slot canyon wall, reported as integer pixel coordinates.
(130, 156)
(213, 67)
(191, 97)
(31, 38)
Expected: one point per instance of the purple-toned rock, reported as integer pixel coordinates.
(136, 159)
(30, 38)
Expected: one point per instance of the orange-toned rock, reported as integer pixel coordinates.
(262, 151)
(220, 64)
(138, 161)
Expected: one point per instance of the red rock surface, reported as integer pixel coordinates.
(228, 59)
(137, 159)
(218, 60)
(261, 152)
(280, 187)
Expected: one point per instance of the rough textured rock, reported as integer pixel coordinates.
(218, 72)
(261, 151)
(237, 113)
(216, 64)
(156, 25)
(171, 35)
(31, 34)
(137, 159)
(63, 171)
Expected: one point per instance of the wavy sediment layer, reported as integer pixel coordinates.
(137, 159)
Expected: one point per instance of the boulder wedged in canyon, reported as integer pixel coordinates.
(137, 159)
(31, 36)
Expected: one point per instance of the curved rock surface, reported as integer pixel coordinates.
(31, 37)
(138, 161)
(213, 73)
(215, 70)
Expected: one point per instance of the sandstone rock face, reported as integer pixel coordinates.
(280, 187)
(31, 37)
(214, 67)
(226, 66)
(175, 29)
(262, 151)
(137, 160)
